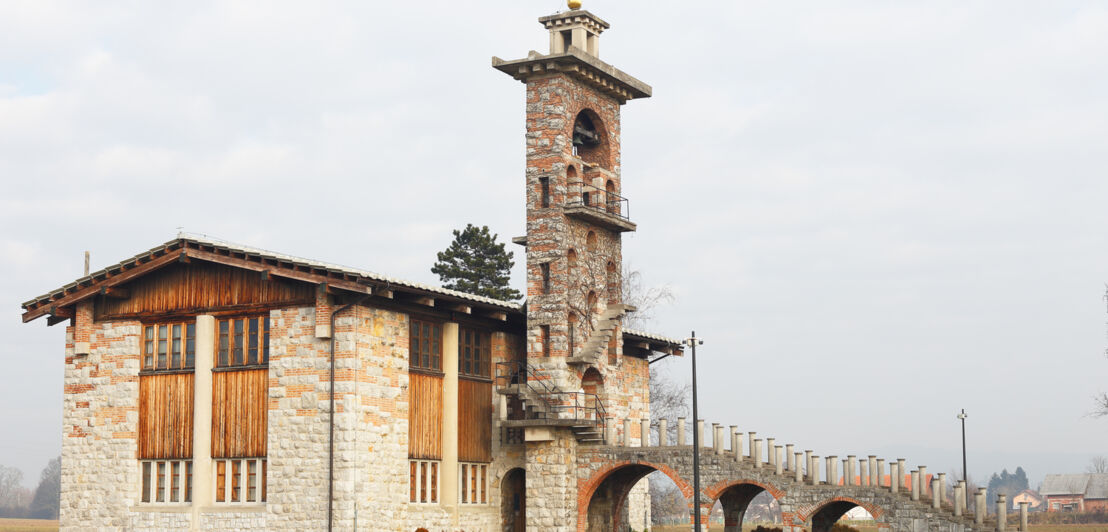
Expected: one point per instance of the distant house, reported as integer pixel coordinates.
(1077, 492)
(1033, 499)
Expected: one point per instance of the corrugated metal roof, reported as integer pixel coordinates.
(214, 242)
(1073, 484)
(1098, 486)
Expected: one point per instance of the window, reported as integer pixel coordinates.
(473, 483)
(423, 481)
(590, 240)
(168, 346)
(544, 337)
(544, 191)
(243, 342)
(475, 357)
(544, 268)
(571, 259)
(166, 481)
(240, 480)
(426, 345)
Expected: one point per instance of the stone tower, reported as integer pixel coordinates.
(576, 216)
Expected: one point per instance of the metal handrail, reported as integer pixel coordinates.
(599, 199)
(557, 402)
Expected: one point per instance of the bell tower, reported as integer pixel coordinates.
(576, 216)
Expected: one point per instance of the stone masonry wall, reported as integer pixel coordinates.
(100, 477)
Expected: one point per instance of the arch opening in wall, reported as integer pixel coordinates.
(592, 384)
(614, 502)
(590, 139)
(830, 512)
(590, 241)
(513, 500)
(746, 502)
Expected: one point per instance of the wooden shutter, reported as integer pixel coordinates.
(425, 420)
(165, 416)
(474, 421)
(239, 413)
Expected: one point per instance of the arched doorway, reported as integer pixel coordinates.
(592, 383)
(747, 502)
(513, 501)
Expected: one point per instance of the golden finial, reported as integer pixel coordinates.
(574, 4)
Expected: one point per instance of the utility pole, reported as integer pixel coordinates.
(963, 417)
(692, 342)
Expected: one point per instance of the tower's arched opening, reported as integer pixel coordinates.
(590, 139)
(745, 502)
(571, 260)
(513, 500)
(623, 501)
(592, 384)
(590, 240)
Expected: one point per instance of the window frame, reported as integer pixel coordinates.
(433, 342)
(240, 342)
(179, 332)
(475, 349)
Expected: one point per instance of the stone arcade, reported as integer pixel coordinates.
(211, 386)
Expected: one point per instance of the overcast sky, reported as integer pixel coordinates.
(875, 213)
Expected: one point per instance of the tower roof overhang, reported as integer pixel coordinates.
(581, 66)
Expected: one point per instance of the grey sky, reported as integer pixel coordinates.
(876, 213)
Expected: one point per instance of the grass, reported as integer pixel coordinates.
(27, 525)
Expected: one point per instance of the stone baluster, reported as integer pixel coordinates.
(789, 463)
(851, 465)
(807, 462)
(717, 437)
(846, 475)
(681, 424)
(833, 470)
(663, 432)
(915, 484)
(611, 433)
(737, 444)
(923, 482)
(863, 472)
(626, 432)
(942, 487)
(700, 432)
(874, 480)
(936, 503)
(644, 432)
(959, 498)
(798, 471)
(879, 473)
(750, 442)
(771, 444)
(1023, 515)
(894, 476)
(813, 470)
(1001, 512)
(756, 446)
(901, 470)
(979, 509)
(779, 459)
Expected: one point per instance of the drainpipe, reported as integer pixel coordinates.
(331, 421)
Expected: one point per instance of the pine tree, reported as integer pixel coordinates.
(476, 263)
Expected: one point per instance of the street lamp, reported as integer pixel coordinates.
(692, 342)
(963, 417)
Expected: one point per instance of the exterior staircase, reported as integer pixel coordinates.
(542, 404)
(606, 328)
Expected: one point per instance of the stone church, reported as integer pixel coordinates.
(210, 385)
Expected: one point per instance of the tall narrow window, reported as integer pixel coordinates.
(544, 336)
(544, 191)
(545, 269)
(475, 346)
(425, 345)
(243, 342)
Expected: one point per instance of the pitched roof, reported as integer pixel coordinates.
(207, 248)
(1072, 484)
(1098, 486)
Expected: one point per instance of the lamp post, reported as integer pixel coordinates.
(692, 342)
(963, 417)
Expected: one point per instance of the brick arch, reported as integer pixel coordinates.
(735, 496)
(715, 490)
(806, 516)
(587, 488)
